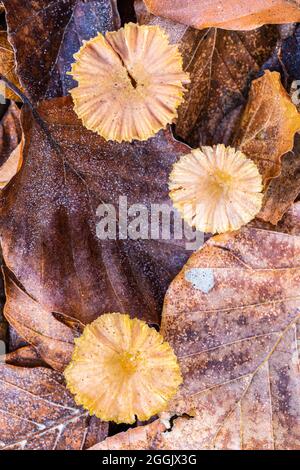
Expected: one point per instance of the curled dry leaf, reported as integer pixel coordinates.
(232, 317)
(220, 67)
(27, 356)
(12, 165)
(227, 14)
(38, 413)
(45, 34)
(268, 125)
(7, 66)
(122, 369)
(53, 340)
(216, 189)
(48, 220)
(130, 83)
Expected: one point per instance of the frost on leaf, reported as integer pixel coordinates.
(130, 83)
(121, 368)
(216, 189)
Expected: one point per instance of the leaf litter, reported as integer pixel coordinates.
(229, 311)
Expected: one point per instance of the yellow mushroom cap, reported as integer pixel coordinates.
(130, 83)
(122, 369)
(216, 189)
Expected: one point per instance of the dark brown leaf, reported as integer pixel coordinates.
(48, 221)
(45, 34)
(38, 413)
(268, 126)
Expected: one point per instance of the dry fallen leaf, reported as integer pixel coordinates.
(7, 66)
(45, 34)
(227, 14)
(26, 356)
(12, 165)
(221, 67)
(231, 316)
(284, 189)
(38, 413)
(216, 189)
(268, 125)
(53, 340)
(10, 132)
(140, 438)
(48, 219)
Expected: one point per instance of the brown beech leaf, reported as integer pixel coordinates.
(7, 66)
(227, 14)
(45, 34)
(221, 65)
(48, 221)
(284, 189)
(53, 340)
(10, 132)
(231, 316)
(268, 125)
(27, 356)
(12, 165)
(38, 413)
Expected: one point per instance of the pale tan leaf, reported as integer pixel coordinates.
(227, 14)
(38, 413)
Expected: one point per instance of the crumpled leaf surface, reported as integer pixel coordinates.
(48, 220)
(38, 413)
(227, 14)
(221, 65)
(283, 190)
(45, 34)
(232, 316)
(268, 125)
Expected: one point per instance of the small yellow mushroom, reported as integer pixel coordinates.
(216, 189)
(122, 369)
(130, 83)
